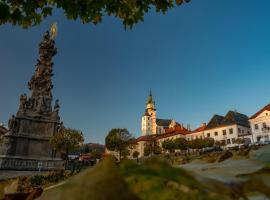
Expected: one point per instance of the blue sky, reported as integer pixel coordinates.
(200, 59)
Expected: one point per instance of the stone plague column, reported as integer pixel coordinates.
(26, 145)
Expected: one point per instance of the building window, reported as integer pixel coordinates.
(233, 140)
(256, 126)
(224, 132)
(208, 134)
(239, 130)
(216, 133)
(264, 125)
(231, 131)
(148, 118)
(228, 141)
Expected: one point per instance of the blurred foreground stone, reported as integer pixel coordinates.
(99, 183)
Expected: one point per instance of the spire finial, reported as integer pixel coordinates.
(53, 30)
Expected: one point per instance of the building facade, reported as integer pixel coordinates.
(152, 125)
(227, 129)
(260, 125)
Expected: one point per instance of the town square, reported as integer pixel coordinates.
(160, 99)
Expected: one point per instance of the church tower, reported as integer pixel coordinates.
(149, 125)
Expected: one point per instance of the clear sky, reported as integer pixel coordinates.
(200, 59)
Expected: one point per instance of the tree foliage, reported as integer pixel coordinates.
(169, 145)
(181, 143)
(147, 150)
(118, 139)
(135, 154)
(27, 13)
(209, 142)
(67, 140)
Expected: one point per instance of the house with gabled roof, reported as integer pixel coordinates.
(227, 129)
(260, 124)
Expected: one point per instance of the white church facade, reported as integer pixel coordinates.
(152, 125)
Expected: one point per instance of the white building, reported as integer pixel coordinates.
(227, 129)
(260, 124)
(197, 133)
(150, 124)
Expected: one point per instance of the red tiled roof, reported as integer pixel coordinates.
(201, 128)
(267, 107)
(165, 135)
(144, 138)
(177, 130)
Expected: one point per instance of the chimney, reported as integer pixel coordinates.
(203, 124)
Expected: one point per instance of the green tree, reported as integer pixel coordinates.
(29, 12)
(169, 145)
(197, 143)
(181, 143)
(118, 140)
(157, 149)
(147, 150)
(135, 154)
(66, 140)
(208, 142)
(152, 147)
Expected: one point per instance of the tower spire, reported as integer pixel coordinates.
(150, 98)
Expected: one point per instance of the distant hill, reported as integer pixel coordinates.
(96, 147)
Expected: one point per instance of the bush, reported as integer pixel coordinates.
(37, 180)
(48, 179)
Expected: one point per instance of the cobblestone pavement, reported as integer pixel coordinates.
(5, 174)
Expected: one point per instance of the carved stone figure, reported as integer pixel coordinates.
(59, 127)
(56, 106)
(11, 122)
(23, 102)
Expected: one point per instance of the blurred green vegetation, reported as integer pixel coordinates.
(154, 179)
(157, 178)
